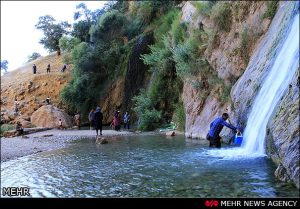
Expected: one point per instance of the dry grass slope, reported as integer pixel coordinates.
(15, 85)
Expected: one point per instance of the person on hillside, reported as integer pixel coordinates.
(91, 118)
(216, 127)
(34, 68)
(117, 121)
(48, 100)
(60, 124)
(126, 120)
(48, 68)
(19, 129)
(98, 117)
(64, 68)
(16, 106)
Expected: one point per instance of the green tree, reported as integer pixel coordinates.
(33, 56)
(4, 66)
(52, 32)
(88, 18)
(66, 44)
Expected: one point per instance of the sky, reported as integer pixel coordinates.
(19, 38)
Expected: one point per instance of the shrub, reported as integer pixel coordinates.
(6, 127)
(178, 31)
(164, 24)
(205, 7)
(66, 44)
(225, 94)
(157, 58)
(149, 117)
(247, 38)
(186, 58)
(179, 116)
(221, 14)
(271, 9)
(34, 56)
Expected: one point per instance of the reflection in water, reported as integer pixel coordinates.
(142, 166)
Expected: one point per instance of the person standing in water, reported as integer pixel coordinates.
(98, 117)
(215, 129)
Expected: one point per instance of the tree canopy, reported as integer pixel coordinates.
(33, 56)
(52, 32)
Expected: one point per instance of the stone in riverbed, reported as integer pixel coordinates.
(101, 140)
(170, 133)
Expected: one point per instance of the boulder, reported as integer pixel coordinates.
(170, 133)
(25, 124)
(48, 116)
(101, 140)
(8, 134)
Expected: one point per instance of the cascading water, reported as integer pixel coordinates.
(271, 91)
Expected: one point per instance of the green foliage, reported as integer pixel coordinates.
(6, 127)
(157, 59)
(98, 63)
(33, 56)
(164, 24)
(205, 7)
(134, 28)
(52, 32)
(81, 30)
(221, 14)
(109, 26)
(4, 66)
(149, 117)
(225, 94)
(66, 44)
(178, 31)
(185, 56)
(88, 18)
(247, 38)
(179, 116)
(67, 58)
(271, 9)
(245, 44)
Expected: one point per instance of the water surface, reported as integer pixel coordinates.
(143, 166)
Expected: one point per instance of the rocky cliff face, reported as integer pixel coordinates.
(283, 135)
(225, 57)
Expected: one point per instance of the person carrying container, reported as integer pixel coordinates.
(215, 129)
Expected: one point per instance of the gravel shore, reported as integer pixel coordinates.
(12, 148)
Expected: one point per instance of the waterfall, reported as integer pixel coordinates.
(272, 90)
(268, 97)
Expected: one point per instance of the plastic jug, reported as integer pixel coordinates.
(238, 139)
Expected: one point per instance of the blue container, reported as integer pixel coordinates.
(238, 139)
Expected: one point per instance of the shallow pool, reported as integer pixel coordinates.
(142, 166)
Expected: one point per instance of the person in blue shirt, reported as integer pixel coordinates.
(216, 127)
